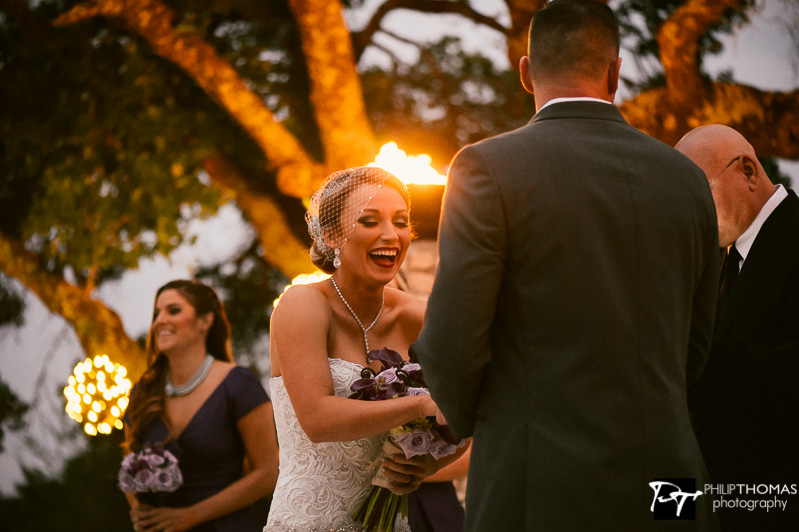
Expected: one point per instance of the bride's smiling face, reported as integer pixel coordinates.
(377, 245)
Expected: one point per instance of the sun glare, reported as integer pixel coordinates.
(411, 169)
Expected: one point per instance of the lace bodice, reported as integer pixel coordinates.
(320, 484)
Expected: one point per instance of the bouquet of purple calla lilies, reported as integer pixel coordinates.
(398, 378)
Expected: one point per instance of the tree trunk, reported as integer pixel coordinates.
(280, 246)
(98, 328)
(336, 94)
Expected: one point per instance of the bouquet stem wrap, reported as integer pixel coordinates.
(382, 507)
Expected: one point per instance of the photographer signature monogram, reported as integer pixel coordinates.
(673, 493)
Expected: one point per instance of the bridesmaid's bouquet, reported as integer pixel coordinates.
(398, 378)
(150, 471)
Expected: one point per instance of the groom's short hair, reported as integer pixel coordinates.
(572, 38)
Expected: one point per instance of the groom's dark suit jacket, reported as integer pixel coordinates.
(573, 301)
(746, 404)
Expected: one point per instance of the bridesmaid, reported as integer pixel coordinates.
(214, 416)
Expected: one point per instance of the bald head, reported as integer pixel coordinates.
(737, 180)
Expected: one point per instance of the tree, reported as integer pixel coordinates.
(88, 484)
(12, 411)
(124, 120)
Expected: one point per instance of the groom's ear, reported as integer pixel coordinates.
(524, 74)
(614, 70)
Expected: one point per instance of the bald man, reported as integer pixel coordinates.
(745, 406)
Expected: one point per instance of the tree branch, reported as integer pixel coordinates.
(280, 246)
(362, 39)
(98, 328)
(768, 120)
(336, 94)
(678, 40)
(298, 175)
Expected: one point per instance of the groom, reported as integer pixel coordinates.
(573, 303)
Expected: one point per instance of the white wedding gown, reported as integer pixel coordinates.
(321, 484)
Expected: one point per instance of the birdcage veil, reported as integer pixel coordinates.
(334, 208)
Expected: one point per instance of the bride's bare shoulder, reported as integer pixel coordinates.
(410, 307)
(308, 299)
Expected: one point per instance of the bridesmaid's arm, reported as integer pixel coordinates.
(298, 347)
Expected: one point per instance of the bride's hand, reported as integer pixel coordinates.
(440, 419)
(406, 474)
(431, 410)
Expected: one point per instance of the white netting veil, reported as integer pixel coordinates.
(334, 208)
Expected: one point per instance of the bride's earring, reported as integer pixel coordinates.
(336, 259)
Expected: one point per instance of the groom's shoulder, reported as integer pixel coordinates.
(502, 142)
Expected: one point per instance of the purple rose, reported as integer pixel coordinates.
(417, 391)
(414, 372)
(177, 478)
(439, 449)
(414, 443)
(126, 482)
(154, 460)
(163, 480)
(129, 460)
(168, 480)
(411, 367)
(143, 480)
(386, 377)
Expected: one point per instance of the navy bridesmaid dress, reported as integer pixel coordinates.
(210, 450)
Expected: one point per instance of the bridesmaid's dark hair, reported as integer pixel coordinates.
(147, 398)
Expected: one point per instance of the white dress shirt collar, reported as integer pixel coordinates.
(577, 99)
(745, 241)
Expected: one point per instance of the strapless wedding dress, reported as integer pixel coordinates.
(321, 484)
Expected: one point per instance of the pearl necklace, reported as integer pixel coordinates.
(364, 329)
(184, 389)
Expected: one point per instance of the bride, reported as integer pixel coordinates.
(320, 336)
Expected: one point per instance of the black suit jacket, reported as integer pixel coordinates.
(574, 298)
(746, 404)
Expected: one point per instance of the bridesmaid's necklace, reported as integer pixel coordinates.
(184, 389)
(364, 329)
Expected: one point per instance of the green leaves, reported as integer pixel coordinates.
(104, 146)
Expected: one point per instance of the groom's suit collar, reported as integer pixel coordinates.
(553, 101)
(579, 109)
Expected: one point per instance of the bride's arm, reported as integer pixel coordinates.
(298, 337)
